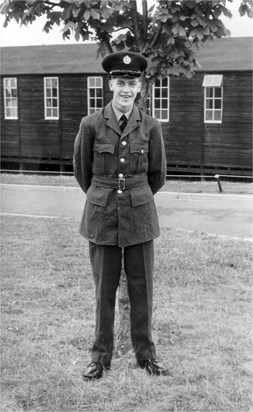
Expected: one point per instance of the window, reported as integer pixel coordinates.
(213, 98)
(10, 98)
(160, 99)
(51, 97)
(95, 94)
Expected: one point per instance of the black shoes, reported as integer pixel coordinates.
(153, 367)
(95, 370)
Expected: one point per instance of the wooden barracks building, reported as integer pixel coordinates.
(206, 120)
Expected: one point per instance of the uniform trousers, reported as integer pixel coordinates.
(106, 266)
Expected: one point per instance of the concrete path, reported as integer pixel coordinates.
(223, 214)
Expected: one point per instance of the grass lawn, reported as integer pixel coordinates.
(202, 323)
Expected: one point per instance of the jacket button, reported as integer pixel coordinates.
(122, 159)
(124, 143)
(119, 191)
(121, 175)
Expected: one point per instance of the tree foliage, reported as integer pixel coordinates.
(168, 33)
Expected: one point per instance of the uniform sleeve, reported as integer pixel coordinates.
(83, 155)
(157, 159)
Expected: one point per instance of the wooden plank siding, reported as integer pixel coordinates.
(191, 145)
(230, 143)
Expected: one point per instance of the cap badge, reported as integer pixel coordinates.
(127, 60)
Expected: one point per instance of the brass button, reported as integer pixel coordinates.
(121, 175)
(122, 159)
(124, 143)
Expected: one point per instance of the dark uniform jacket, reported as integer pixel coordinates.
(119, 173)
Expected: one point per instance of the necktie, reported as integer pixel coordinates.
(123, 122)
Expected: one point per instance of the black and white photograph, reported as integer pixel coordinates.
(126, 205)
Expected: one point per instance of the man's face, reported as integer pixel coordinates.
(124, 91)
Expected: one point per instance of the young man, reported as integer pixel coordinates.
(119, 162)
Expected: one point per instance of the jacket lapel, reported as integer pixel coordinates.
(111, 118)
(133, 121)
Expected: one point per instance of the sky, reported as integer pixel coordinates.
(14, 35)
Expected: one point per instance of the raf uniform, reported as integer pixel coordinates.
(120, 171)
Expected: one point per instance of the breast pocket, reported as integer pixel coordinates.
(103, 158)
(139, 157)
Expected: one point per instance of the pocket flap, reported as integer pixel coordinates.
(97, 195)
(139, 148)
(141, 196)
(104, 147)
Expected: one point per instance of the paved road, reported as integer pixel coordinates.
(221, 214)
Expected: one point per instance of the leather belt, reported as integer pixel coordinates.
(120, 183)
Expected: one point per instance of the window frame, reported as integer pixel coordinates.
(161, 99)
(11, 98)
(213, 93)
(96, 98)
(52, 98)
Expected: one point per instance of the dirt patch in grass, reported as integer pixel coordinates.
(202, 323)
(187, 186)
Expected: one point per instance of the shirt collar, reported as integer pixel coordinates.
(118, 113)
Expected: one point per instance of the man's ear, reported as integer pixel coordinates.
(110, 84)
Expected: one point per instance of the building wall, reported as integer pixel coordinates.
(191, 145)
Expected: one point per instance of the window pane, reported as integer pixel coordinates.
(164, 104)
(54, 92)
(8, 112)
(14, 112)
(8, 83)
(54, 102)
(217, 104)
(164, 114)
(98, 82)
(217, 115)
(48, 83)
(157, 114)
(217, 91)
(99, 92)
(157, 104)
(209, 92)
(92, 92)
(91, 82)
(48, 112)
(157, 93)
(99, 103)
(55, 112)
(209, 115)
(92, 102)
(165, 82)
(54, 83)
(165, 93)
(209, 103)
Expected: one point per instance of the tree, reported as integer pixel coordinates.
(168, 33)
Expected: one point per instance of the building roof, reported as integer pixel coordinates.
(227, 54)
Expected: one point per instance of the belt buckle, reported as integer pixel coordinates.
(121, 183)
